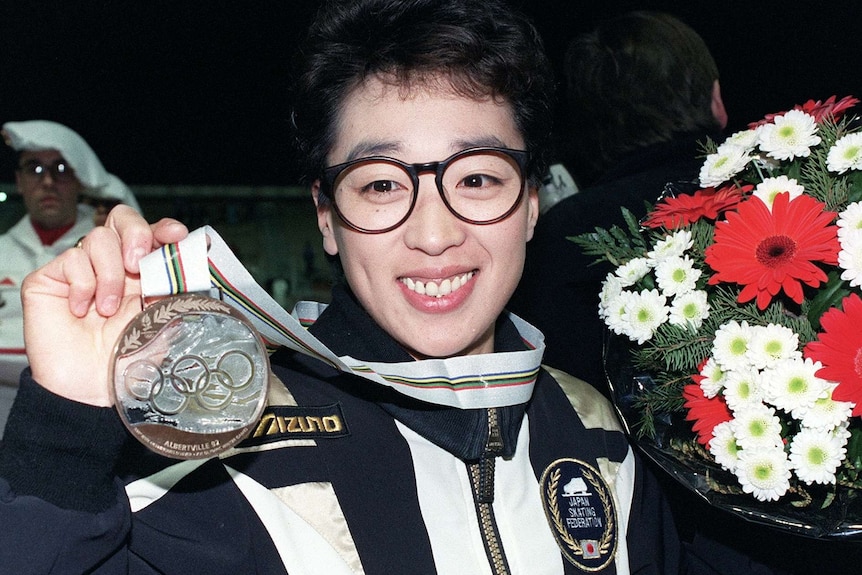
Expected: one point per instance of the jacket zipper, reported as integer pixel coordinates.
(482, 482)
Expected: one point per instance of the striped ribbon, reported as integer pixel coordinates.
(466, 382)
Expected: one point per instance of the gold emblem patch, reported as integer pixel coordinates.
(580, 509)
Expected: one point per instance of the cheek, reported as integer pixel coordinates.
(70, 192)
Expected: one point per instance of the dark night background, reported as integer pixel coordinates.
(194, 91)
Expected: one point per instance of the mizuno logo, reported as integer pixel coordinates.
(298, 422)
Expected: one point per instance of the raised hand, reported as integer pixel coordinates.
(76, 306)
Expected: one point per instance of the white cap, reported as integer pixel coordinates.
(46, 135)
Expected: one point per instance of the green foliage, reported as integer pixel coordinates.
(819, 182)
(615, 245)
(664, 398)
(828, 296)
(852, 465)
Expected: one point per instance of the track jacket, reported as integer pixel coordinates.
(341, 476)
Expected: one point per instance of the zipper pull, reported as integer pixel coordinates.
(494, 445)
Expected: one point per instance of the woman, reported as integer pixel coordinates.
(422, 124)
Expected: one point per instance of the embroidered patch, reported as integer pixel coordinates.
(281, 422)
(580, 509)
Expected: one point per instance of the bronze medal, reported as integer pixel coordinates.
(190, 376)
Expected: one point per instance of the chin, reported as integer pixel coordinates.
(444, 349)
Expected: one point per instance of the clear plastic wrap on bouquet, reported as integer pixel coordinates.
(824, 512)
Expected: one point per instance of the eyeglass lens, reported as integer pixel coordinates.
(377, 194)
(60, 171)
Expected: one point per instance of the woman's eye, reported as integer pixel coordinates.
(382, 186)
(479, 181)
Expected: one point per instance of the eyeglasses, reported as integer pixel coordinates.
(60, 171)
(377, 194)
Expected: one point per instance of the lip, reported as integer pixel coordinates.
(49, 201)
(438, 303)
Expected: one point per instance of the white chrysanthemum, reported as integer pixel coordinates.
(846, 154)
(815, 455)
(791, 384)
(850, 259)
(826, 413)
(723, 446)
(773, 343)
(771, 187)
(765, 473)
(757, 426)
(615, 313)
(644, 313)
(789, 136)
(842, 432)
(742, 389)
(689, 309)
(672, 245)
(725, 163)
(746, 139)
(676, 275)
(713, 378)
(731, 344)
(633, 271)
(611, 290)
(850, 220)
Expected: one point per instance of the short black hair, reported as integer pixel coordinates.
(483, 47)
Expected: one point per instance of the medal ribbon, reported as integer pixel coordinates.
(465, 382)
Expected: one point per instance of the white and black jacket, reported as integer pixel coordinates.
(341, 476)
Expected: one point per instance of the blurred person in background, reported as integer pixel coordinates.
(642, 91)
(55, 171)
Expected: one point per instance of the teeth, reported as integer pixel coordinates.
(446, 287)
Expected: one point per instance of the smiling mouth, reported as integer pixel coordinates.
(438, 290)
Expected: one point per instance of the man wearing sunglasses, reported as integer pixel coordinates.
(54, 168)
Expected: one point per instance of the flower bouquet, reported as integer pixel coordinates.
(736, 355)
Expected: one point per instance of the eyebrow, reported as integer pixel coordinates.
(381, 148)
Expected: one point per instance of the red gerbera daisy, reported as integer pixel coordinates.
(677, 211)
(839, 349)
(769, 251)
(820, 110)
(705, 412)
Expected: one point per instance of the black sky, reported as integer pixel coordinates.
(194, 91)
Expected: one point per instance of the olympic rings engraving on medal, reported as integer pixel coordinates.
(170, 389)
(190, 376)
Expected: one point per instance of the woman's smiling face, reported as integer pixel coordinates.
(478, 265)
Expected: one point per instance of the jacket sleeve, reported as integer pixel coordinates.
(653, 541)
(61, 508)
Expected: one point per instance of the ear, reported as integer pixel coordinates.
(532, 210)
(718, 111)
(325, 222)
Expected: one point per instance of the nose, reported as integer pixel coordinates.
(431, 227)
(46, 178)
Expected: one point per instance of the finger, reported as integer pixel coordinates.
(168, 231)
(134, 234)
(102, 245)
(78, 274)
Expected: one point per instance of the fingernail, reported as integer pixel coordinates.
(110, 304)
